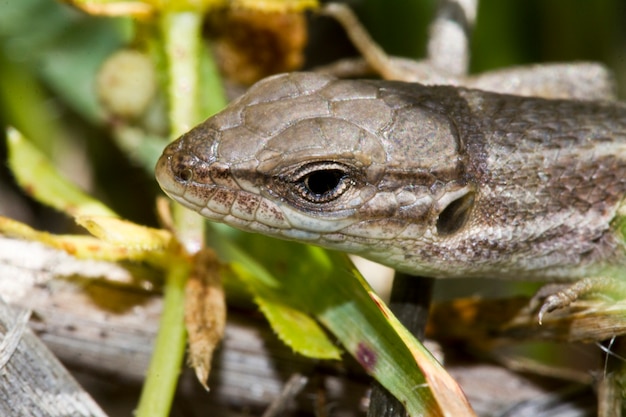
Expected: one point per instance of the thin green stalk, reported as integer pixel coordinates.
(181, 33)
(182, 36)
(182, 39)
(160, 386)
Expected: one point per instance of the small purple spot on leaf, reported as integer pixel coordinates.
(366, 357)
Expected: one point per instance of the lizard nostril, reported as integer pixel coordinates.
(182, 167)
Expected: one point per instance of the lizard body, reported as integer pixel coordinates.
(437, 181)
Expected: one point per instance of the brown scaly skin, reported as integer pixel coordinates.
(435, 181)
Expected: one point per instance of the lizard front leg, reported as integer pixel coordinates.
(602, 286)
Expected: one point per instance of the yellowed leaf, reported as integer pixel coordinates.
(127, 234)
(276, 5)
(84, 247)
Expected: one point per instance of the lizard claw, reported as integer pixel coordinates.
(603, 286)
(556, 301)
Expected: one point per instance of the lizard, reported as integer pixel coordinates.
(438, 181)
(433, 181)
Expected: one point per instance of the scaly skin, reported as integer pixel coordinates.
(437, 181)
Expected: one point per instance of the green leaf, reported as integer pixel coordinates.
(297, 329)
(293, 326)
(326, 286)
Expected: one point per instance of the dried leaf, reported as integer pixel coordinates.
(252, 44)
(205, 312)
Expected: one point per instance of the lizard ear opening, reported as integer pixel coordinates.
(454, 216)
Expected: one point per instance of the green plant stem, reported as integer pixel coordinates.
(160, 386)
(181, 32)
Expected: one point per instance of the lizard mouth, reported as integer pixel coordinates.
(164, 175)
(209, 189)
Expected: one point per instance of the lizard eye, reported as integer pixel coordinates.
(322, 182)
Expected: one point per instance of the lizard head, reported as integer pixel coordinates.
(361, 166)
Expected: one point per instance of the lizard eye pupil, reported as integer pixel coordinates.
(321, 183)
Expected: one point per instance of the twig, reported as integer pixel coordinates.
(294, 385)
